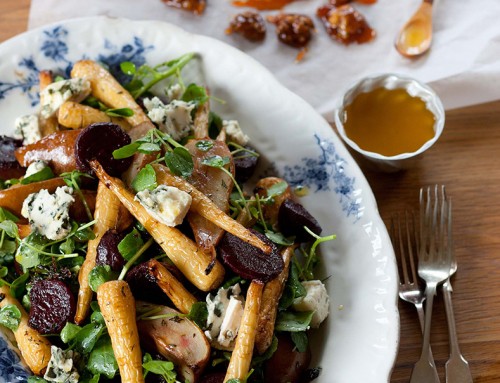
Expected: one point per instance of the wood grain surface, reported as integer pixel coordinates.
(467, 160)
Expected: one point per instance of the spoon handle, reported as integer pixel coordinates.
(457, 368)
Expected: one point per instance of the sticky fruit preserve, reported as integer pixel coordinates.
(388, 121)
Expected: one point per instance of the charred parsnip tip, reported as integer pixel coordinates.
(180, 297)
(117, 306)
(241, 358)
(207, 209)
(34, 347)
(269, 309)
(108, 216)
(183, 252)
(76, 116)
(47, 125)
(108, 90)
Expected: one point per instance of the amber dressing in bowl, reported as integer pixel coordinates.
(388, 121)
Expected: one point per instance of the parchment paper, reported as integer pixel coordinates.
(463, 65)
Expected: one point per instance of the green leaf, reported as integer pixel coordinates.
(195, 93)
(149, 148)
(126, 151)
(36, 379)
(7, 215)
(99, 275)
(120, 112)
(145, 179)
(68, 246)
(277, 189)
(162, 368)
(10, 316)
(128, 68)
(85, 340)
(69, 331)
(3, 272)
(45, 174)
(10, 228)
(18, 287)
(199, 314)
(214, 124)
(216, 161)
(204, 145)
(278, 238)
(102, 359)
(293, 321)
(299, 338)
(130, 245)
(180, 162)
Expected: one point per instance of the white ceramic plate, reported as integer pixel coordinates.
(359, 341)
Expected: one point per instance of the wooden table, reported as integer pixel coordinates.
(467, 160)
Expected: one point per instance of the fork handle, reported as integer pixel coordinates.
(421, 318)
(457, 368)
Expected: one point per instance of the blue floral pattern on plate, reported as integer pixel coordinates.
(10, 364)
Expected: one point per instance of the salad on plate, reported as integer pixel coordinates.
(139, 244)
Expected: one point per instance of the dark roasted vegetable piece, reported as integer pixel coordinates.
(213, 377)
(9, 167)
(58, 149)
(52, 306)
(144, 284)
(287, 365)
(292, 218)
(249, 262)
(245, 166)
(98, 141)
(107, 250)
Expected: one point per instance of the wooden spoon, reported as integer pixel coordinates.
(415, 37)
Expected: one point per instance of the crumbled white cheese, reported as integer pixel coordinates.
(316, 299)
(35, 167)
(225, 311)
(55, 94)
(48, 213)
(27, 129)
(61, 367)
(174, 118)
(174, 92)
(234, 132)
(167, 204)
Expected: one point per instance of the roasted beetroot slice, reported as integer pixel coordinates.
(52, 306)
(143, 284)
(249, 262)
(9, 167)
(107, 250)
(245, 166)
(292, 218)
(97, 142)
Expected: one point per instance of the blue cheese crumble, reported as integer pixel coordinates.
(48, 214)
(174, 118)
(61, 367)
(166, 204)
(35, 167)
(57, 93)
(27, 129)
(225, 311)
(316, 299)
(234, 132)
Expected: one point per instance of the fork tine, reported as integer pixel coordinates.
(412, 243)
(405, 242)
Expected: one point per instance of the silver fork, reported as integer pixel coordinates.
(404, 235)
(457, 368)
(434, 266)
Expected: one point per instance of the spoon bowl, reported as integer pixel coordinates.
(415, 37)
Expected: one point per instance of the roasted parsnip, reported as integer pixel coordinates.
(180, 297)
(206, 208)
(117, 306)
(241, 358)
(189, 258)
(76, 116)
(108, 215)
(34, 347)
(47, 125)
(108, 90)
